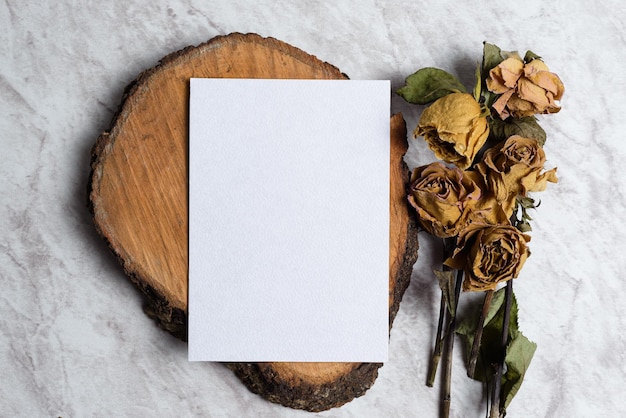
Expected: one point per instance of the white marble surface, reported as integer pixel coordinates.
(74, 340)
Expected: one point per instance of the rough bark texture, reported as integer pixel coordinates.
(138, 198)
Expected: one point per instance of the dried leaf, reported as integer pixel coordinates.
(447, 283)
(524, 226)
(519, 353)
(477, 84)
(492, 333)
(492, 56)
(530, 55)
(526, 127)
(429, 84)
(526, 202)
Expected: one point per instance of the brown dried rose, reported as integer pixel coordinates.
(489, 255)
(443, 198)
(525, 89)
(513, 168)
(487, 210)
(454, 128)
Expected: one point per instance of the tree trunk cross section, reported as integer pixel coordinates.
(138, 197)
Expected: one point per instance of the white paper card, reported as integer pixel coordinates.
(288, 220)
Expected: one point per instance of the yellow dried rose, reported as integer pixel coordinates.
(443, 198)
(525, 89)
(454, 128)
(489, 255)
(513, 168)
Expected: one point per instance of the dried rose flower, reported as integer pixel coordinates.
(525, 89)
(489, 255)
(454, 128)
(443, 198)
(488, 210)
(513, 168)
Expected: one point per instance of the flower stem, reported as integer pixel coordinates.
(448, 247)
(434, 363)
(447, 399)
(495, 399)
(471, 367)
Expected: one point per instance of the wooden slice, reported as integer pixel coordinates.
(138, 198)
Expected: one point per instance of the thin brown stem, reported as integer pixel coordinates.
(495, 399)
(447, 399)
(448, 246)
(471, 367)
(434, 362)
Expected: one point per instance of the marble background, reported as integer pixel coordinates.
(73, 338)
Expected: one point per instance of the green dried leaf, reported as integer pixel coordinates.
(447, 283)
(429, 84)
(492, 56)
(519, 353)
(526, 127)
(524, 227)
(526, 202)
(530, 55)
(522, 205)
(477, 85)
(510, 54)
(495, 315)
(467, 325)
(490, 344)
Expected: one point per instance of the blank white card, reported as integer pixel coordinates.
(288, 220)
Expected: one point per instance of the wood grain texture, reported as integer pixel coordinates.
(138, 198)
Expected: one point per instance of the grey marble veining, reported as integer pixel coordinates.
(74, 340)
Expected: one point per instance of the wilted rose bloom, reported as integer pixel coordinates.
(513, 168)
(525, 89)
(443, 197)
(489, 255)
(487, 210)
(454, 128)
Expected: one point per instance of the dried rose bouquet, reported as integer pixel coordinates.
(476, 198)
